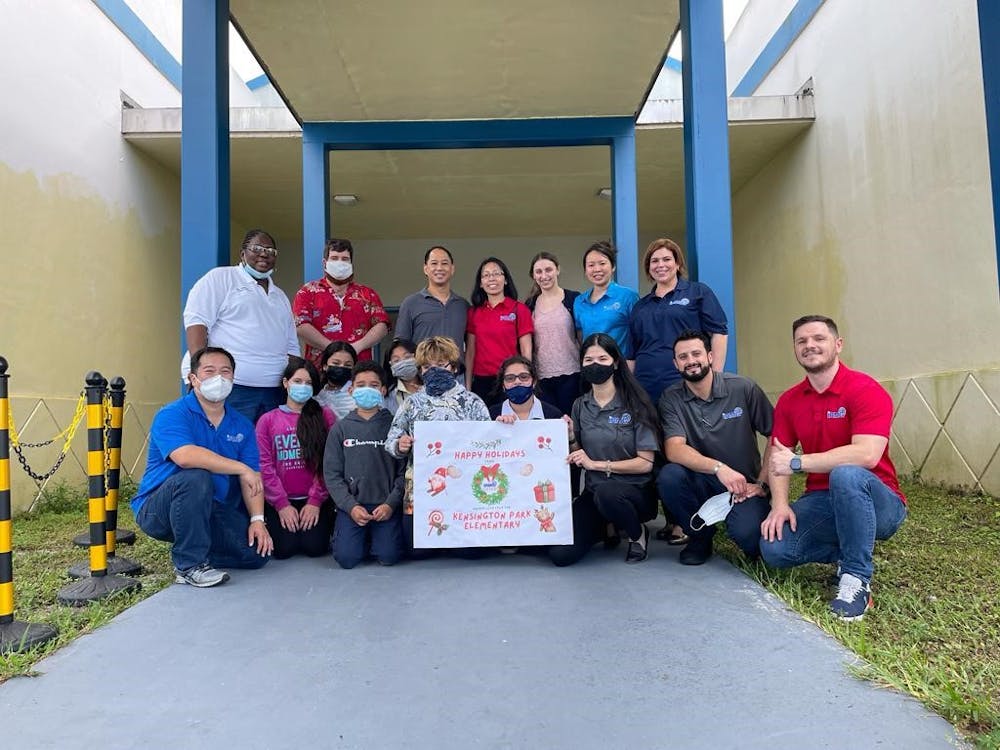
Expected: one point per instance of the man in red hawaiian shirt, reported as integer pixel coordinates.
(334, 308)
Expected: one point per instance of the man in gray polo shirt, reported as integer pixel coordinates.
(435, 310)
(710, 426)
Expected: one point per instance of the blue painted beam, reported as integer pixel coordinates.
(315, 199)
(797, 19)
(706, 156)
(989, 45)
(258, 83)
(422, 134)
(144, 40)
(624, 211)
(204, 141)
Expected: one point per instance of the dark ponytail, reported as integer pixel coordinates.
(311, 429)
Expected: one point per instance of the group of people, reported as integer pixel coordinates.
(277, 450)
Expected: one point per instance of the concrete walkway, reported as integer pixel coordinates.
(507, 652)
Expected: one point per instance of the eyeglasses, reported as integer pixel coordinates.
(492, 275)
(269, 252)
(521, 377)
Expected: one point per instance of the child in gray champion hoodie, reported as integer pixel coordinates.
(365, 482)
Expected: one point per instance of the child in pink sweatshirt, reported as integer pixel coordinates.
(291, 440)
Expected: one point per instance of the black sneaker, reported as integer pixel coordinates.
(697, 551)
(854, 597)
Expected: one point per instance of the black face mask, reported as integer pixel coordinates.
(597, 374)
(337, 375)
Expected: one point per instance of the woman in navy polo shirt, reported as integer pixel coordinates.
(674, 305)
(614, 438)
(606, 307)
(498, 326)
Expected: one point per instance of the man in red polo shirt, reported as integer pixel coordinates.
(334, 308)
(841, 418)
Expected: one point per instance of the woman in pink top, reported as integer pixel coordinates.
(291, 440)
(557, 349)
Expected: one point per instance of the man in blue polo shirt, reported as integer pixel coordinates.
(202, 462)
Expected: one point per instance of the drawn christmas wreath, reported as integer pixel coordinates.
(491, 475)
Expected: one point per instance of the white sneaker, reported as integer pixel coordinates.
(203, 576)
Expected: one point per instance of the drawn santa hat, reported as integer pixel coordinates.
(441, 471)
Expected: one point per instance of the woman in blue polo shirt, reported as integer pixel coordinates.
(674, 305)
(606, 307)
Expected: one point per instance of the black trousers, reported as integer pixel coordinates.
(625, 505)
(313, 542)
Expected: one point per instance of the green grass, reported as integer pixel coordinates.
(935, 629)
(44, 550)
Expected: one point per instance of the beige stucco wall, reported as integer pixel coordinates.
(91, 229)
(880, 216)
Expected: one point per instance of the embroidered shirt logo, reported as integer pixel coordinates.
(734, 414)
(683, 301)
(237, 438)
(509, 317)
(354, 443)
(625, 418)
(841, 413)
(613, 306)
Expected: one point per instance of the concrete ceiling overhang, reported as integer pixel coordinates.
(458, 59)
(526, 192)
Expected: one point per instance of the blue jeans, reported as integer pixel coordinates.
(684, 491)
(182, 511)
(839, 525)
(349, 539)
(253, 402)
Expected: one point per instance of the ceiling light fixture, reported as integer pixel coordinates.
(604, 193)
(345, 199)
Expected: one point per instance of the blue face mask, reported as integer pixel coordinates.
(367, 397)
(437, 380)
(259, 275)
(519, 394)
(300, 392)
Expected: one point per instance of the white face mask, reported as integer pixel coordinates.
(259, 275)
(339, 269)
(216, 388)
(715, 509)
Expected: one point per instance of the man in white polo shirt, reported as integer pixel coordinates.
(239, 308)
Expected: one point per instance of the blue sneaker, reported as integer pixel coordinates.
(853, 598)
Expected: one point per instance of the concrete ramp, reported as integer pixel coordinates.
(507, 652)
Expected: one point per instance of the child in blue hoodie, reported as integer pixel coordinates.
(365, 482)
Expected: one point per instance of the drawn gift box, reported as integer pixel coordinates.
(545, 492)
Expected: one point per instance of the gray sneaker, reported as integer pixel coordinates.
(203, 576)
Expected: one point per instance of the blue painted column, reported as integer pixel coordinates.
(706, 156)
(989, 45)
(624, 211)
(315, 199)
(204, 141)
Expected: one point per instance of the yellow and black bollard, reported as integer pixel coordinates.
(116, 536)
(99, 584)
(14, 635)
(116, 565)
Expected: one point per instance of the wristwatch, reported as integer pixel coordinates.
(795, 464)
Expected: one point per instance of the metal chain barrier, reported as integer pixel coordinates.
(68, 434)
